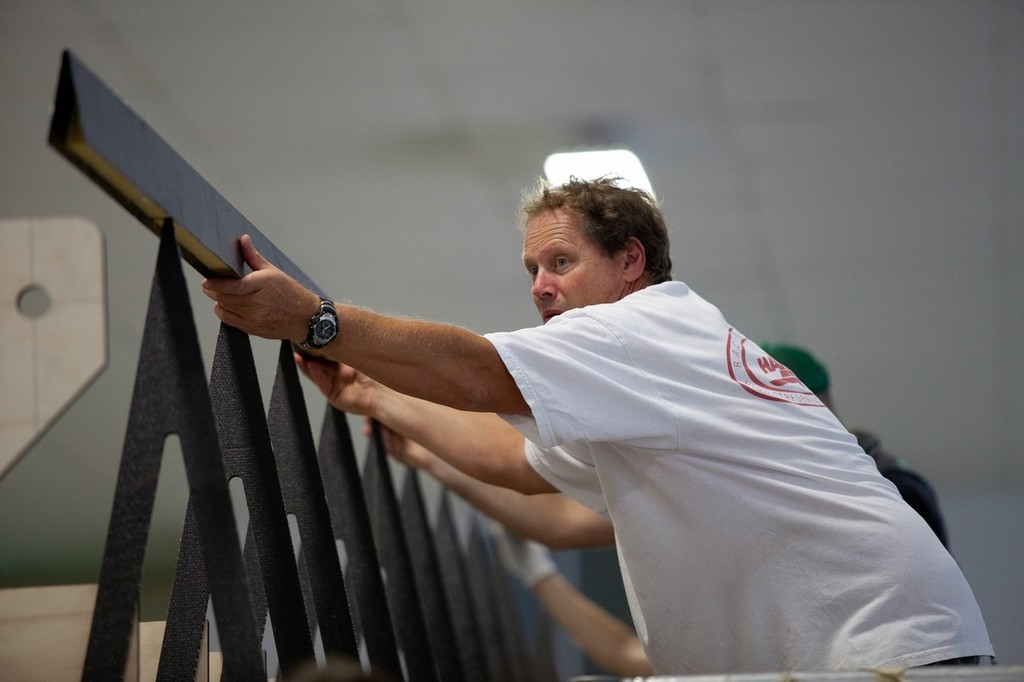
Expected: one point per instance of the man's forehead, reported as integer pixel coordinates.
(560, 225)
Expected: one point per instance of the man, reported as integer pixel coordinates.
(753, 532)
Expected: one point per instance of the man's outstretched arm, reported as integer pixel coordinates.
(606, 639)
(437, 362)
(552, 519)
(480, 444)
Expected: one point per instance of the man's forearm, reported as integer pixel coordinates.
(551, 519)
(436, 362)
(481, 445)
(606, 639)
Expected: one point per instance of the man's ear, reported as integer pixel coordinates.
(634, 260)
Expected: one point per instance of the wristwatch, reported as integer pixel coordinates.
(323, 326)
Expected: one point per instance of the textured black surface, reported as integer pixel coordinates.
(171, 396)
(455, 578)
(393, 550)
(248, 455)
(350, 518)
(305, 498)
(427, 569)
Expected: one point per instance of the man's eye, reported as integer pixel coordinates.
(561, 262)
(532, 272)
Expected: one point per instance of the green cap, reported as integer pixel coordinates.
(811, 372)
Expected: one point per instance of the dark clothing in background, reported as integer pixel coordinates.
(916, 491)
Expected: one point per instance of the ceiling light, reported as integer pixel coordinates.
(590, 165)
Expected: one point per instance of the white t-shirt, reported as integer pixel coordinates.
(753, 533)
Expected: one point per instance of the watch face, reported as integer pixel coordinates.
(325, 330)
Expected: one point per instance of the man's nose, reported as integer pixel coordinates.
(543, 285)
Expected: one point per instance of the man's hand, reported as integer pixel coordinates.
(345, 388)
(267, 302)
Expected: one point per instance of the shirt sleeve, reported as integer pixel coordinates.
(578, 479)
(580, 380)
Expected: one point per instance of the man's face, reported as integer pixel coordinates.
(567, 269)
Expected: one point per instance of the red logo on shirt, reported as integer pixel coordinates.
(762, 375)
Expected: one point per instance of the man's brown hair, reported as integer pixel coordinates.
(609, 216)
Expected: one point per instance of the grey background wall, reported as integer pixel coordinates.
(843, 175)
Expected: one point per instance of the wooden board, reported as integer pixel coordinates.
(101, 135)
(151, 639)
(44, 632)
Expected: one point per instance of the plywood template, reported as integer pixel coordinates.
(44, 632)
(53, 324)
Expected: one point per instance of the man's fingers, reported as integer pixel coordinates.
(314, 370)
(251, 256)
(227, 288)
(323, 373)
(226, 316)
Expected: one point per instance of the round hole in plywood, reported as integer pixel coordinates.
(33, 301)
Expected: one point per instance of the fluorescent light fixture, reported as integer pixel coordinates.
(590, 165)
